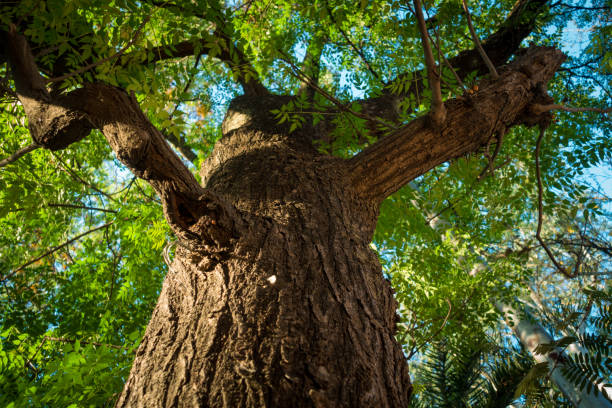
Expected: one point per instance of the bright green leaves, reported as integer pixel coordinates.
(70, 372)
(96, 237)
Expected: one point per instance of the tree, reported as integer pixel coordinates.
(273, 296)
(450, 388)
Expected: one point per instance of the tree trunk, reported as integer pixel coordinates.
(296, 312)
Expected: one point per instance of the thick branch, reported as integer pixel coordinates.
(200, 219)
(438, 113)
(416, 148)
(181, 146)
(195, 215)
(52, 126)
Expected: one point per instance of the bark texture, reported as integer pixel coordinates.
(296, 313)
(471, 121)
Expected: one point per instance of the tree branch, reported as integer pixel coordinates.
(18, 154)
(499, 46)
(539, 109)
(201, 220)
(541, 211)
(52, 250)
(438, 112)
(430, 338)
(52, 126)
(476, 40)
(393, 161)
(298, 74)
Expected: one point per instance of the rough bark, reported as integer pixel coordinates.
(471, 121)
(296, 313)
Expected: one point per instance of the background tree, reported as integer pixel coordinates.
(272, 277)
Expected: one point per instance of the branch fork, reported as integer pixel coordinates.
(204, 223)
(201, 220)
(437, 113)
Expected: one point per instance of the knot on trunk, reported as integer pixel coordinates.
(255, 113)
(202, 222)
(55, 127)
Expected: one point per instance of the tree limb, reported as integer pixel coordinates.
(476, 40)
(552, 257)
(393, 161)
(539, 109)
(201, 220)
(438, 112)
(52, 250)
(499, 46)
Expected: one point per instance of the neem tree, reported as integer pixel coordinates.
(274, 296)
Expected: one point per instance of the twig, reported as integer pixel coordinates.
(448, 64)
(538, 109)
(353, 46)
(19, 153)
(29, 362)
(83, 207)
(438, 111)
(440, 53)
(103, 60)
(297, 73)
(540, 211)
(489, 167)
(476, 40)
(72, 341)
(416, 349)
(54, 249)
(78, 178)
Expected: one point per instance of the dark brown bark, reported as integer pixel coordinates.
(471, 121)
(295, 314)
